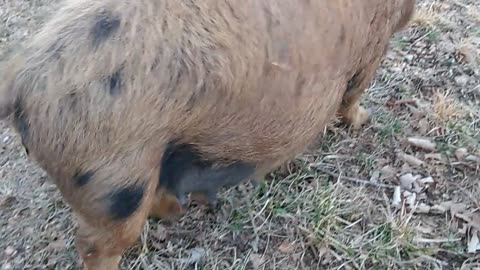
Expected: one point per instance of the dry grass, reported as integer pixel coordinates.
(426, 15)
(312, 213)
(445, 107)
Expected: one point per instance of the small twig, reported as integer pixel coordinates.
(434, 259)
(455, 164)
(436, 241)
(418, 40)
(392, 103)
(355, 180)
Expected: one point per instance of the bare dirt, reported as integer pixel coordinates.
(371, 199)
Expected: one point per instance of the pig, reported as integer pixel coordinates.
(107, 87)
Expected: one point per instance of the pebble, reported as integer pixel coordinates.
(407, 180)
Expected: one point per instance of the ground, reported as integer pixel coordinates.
(378, 198)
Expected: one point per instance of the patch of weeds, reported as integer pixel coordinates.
(444, 147)
(404, 91)
(388, 126)
(453, 245)
(366, 161)
(455, 134)
(389, 240)
(237, 220)
(324, 221)
(400, 42)
(476, 31)
(433, 36)
(386, 77)
(384, 233)
(329, 139)
(329, 217)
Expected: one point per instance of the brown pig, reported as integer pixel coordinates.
(107, 86)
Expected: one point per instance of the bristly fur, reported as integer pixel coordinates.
(107, 84)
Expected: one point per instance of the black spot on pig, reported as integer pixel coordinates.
(125, 201)
(105, 25)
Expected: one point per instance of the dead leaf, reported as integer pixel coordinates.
(405, 168)
(286, 247)
(457, 208)
(417, 188)
(422, 208)
(257, 260)
(375, 176)
(422, 143)
(426, 181)
(196, 255)
(471, 218)
(388, 172)
(473, 242)
(466, 217)
(397, 197)
(406, 181)
(410, 198)
(412, 160)
(437, 209)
